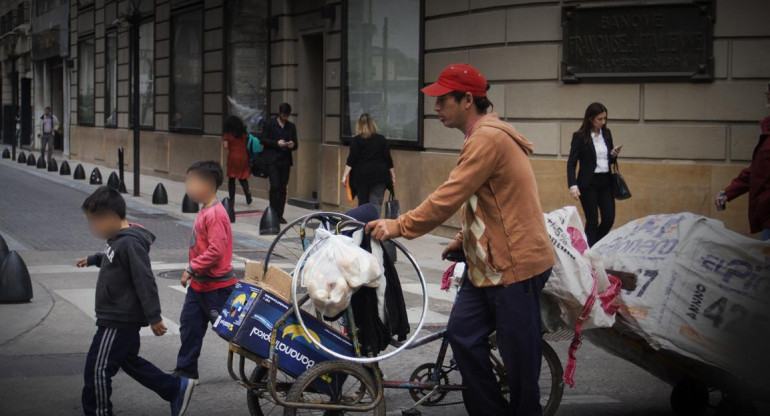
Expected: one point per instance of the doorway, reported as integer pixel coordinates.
(310, 110)
(57, 101)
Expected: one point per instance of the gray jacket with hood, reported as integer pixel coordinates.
(126, 293)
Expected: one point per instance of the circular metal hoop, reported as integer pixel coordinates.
(362, 360)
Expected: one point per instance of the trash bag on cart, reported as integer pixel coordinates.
(703, 291)
(336, 267)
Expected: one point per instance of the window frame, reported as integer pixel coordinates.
(146, 19)
(198, 6)
(114, 93)
(81, 39)
(416, 145)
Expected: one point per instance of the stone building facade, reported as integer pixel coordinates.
(332, 60)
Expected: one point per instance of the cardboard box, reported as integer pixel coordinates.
(277, 280)
(297, 352)
(255, 270)
(235, 310)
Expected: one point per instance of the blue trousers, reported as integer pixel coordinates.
(113, 349)
(514, 312)
(200, 309)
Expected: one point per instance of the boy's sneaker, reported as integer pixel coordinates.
(193, 376)
(182, 399)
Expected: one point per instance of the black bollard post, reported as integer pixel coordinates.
(6, 153)
(31, 161)
(80, 173)
(65, 168)
(270, 224)
(159, 195)
(189, 206)
(3, 250)
(122, 184)
(113, 181)
(22, 158)
(53, 166)
(15, 283)
(228, 204)
(96, 177)
(41, 163)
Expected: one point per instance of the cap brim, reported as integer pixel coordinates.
(436, 90)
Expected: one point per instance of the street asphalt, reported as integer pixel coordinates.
(43, 344)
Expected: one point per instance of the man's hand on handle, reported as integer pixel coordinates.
(455, 245)
(383, 230)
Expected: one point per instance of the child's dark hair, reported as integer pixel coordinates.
(234, 126)
(105, 199)
(285, 109)
(209, 170)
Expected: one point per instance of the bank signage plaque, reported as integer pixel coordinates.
(670, 41)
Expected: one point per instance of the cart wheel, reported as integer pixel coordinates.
(423, 374)
(335, 382)
(259, 399)
(551, 374)
(689, 398)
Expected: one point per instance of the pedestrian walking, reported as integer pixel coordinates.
(755, 180)
(49, 124)
(235, 140)
(126, 299)
(593, 150)
(209, 274)
(369, 166)
(505, 242)
(279, 139)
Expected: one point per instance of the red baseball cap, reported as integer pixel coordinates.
(458, 77)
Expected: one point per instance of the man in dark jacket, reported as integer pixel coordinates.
(279, 139)
(755, 180)
(126, 300)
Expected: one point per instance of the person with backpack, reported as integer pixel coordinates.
(236, 141)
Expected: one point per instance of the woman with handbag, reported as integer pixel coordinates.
(235, 140)
(369, 166)
(592, 148)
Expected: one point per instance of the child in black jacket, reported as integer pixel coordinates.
(126, 300)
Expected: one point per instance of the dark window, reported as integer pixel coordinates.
(248, 62)
(86, 81)
(146, 76)
(43, 6)
(382, 67)
(110, 79)
(187, 71)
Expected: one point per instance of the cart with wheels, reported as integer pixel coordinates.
(348, 383)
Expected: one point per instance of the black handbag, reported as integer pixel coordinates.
(392, 208)
(619, 187)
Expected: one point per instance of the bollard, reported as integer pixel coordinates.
(96, 177)
(270, 224)
(3, 250)
(159, 195)
(22, 158)
(189, 206)
(41, 163)
(121, 176)
(53, 166)
(6, 154)
(65, 168)
(15, 283)
(229, 208)
(80, 173)
(113, 181)
(31, 160)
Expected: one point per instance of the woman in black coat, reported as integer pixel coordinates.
(369, 167)
(592, 148)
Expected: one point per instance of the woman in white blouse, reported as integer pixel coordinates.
(592, 148)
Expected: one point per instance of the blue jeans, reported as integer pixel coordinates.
(765, 235)
(514, 312)
(200, 309)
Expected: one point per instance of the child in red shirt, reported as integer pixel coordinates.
(210, 274)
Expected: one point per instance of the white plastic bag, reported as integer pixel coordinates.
(334, 269)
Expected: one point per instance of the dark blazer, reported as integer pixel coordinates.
(583, 151)
(271, 134)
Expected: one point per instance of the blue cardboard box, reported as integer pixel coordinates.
(235, 310)
(296, 351)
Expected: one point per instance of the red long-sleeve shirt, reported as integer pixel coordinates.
(755, 180)
(211, 248)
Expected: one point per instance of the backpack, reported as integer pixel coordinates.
(256, 163)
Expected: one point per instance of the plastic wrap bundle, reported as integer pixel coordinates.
(334, 269)
(702, 290)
